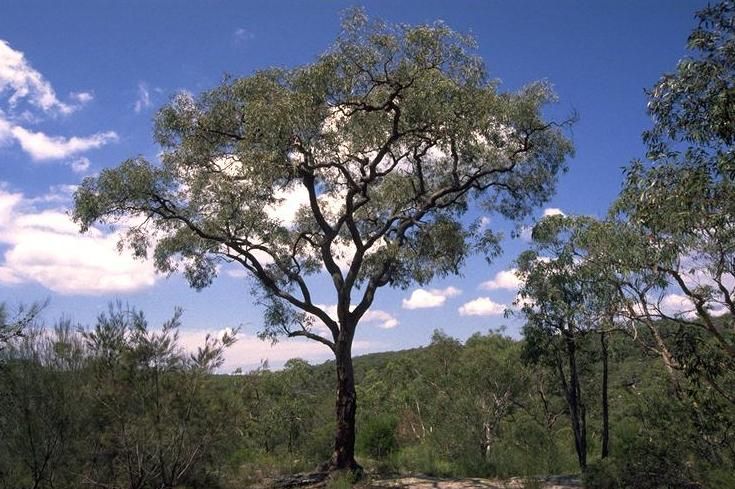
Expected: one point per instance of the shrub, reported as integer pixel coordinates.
(377, 436)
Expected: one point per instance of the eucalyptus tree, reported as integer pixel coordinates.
(680, 203)
(567, 294)
(388, 139)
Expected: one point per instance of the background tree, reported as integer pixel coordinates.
(391, 136)
(565, 298)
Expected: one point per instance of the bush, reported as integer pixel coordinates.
(377, 436)
(422, 459)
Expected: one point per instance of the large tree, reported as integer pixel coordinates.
(390, 137)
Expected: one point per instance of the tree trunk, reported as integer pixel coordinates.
(576, 407)
(343, 457)
(605, 402)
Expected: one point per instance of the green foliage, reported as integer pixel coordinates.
(392, 135)
(119, 405)
(377, 436)
(449, 409)
(681, 201)
(424, 459)
(41, 427)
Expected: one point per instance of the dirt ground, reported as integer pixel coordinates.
(318, 481)
(472, 483)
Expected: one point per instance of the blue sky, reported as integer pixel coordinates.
(80, 82)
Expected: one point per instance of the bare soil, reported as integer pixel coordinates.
(556, 482)
(318, 480)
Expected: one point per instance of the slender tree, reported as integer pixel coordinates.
(388, 139)
(13, 325)
(567, 296)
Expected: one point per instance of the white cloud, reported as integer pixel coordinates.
(422, 298)
(381, 319)
(8, 202)
(24, 94)
(8, 277)
(23, 82)
(484, 223)
(44, 246)
(553, 211)
(80, 165)
(506, 279)
(482, 306)
(676, 304)
(43, 147)
(82, 97)
(57, 194)
(290, 201)
(237, 272)
(144, 98)
(6, 133)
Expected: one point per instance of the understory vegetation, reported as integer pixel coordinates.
(121, 405)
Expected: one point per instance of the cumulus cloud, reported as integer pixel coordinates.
(236, 272)
(42, 147)
(677, 305)
(506, 279)
(526, 231)
(290, 201)
(484, 223)
(82, 97)
(526, 234)
(482, 306)
(381, 319)
(44, 246)
(423, 299)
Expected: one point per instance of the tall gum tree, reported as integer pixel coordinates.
(567, 295)
(390, 137)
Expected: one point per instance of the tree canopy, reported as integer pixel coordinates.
(388, 137)
(681, 202)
